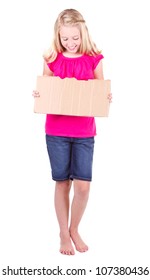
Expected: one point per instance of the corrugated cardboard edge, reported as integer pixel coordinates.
(74, 97)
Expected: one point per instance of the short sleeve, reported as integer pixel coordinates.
(96, 60)
(51, 66)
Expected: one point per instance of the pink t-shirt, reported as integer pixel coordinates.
(81, 68)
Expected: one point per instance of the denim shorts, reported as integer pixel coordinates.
(70, 157)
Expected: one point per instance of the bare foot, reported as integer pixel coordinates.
(78, 242)
(66, 247)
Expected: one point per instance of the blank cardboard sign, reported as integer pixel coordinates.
(74, 97)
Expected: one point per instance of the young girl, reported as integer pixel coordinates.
(70, 139)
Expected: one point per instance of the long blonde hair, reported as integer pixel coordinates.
(71, 17)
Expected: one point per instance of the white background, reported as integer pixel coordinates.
(116, 222)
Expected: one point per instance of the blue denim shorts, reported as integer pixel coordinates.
(70, 157)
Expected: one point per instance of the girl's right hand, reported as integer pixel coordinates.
(35, 93)
(50, 55)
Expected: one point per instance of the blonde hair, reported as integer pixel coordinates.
(71, 17)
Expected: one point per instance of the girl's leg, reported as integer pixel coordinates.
(81, 194)
(62, 191)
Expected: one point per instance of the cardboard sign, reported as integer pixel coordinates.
(74, 97)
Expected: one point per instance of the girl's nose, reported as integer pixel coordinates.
(70, 43)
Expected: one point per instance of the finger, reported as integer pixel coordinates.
(35, 92)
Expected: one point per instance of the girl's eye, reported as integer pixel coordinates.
(66, 39)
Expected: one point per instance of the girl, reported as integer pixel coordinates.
(70, 139)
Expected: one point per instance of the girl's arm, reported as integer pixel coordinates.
(98, 74)
(46, 70)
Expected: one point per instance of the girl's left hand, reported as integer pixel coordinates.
(110, 97)
(35, 93)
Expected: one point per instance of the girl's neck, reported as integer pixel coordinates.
(67, 54)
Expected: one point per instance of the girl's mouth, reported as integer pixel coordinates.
(72, 48)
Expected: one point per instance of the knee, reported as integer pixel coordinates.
(63, 186)
(82, 189)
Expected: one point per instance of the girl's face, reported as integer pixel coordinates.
(70, 38)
